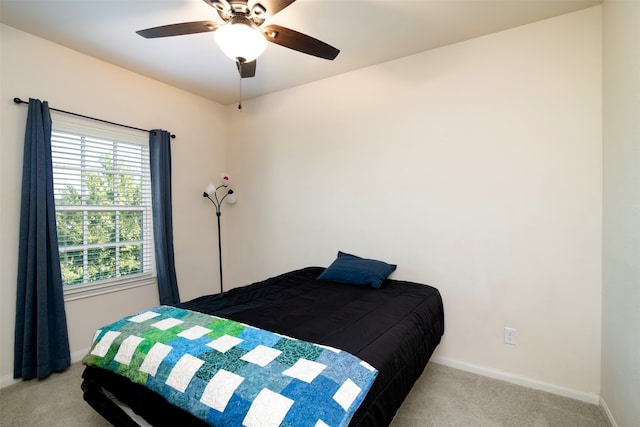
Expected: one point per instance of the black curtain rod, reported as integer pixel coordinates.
(20, 101)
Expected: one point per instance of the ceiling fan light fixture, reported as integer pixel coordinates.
(240, 40)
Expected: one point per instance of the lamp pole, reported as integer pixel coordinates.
(219, 249)
(217, 202)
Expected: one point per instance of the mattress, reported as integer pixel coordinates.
(395, 329)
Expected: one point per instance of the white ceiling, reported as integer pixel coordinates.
(366, 31)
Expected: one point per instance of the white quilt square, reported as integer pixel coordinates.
(326, 347)
(367, 366)
(321, 423)
(194, 332)
(220, 389)
(305, 370)
(261, 355)
(165, 324)
(127, 348)
(183, 371)
(267, 410)
(224, 343)
(105, 342)
(144, 316)
(154, 358)
(346, 394)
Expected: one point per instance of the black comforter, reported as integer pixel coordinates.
(395, 329)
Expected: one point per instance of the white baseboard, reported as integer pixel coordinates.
(77, 356)
(594, 399)
(8, 380)
(607, 413)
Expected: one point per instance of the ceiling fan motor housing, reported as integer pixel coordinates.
(230, 9)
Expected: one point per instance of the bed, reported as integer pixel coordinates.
(394, 328)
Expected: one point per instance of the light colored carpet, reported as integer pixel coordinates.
(55, 401)
(447, 397)
(442, 397)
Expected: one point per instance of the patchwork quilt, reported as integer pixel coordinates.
(231, 374)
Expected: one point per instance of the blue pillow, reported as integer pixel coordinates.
(357, 271)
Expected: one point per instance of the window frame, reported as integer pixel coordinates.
(83, 127)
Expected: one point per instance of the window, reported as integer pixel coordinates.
(102, 191)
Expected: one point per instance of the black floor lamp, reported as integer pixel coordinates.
(230, 197)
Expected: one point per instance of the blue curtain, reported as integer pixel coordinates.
(160, 156)
(41, 338)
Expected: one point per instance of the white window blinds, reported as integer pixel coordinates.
(102, 191)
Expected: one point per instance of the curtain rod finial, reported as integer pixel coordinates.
(17, 100)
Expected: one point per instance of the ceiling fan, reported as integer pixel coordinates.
(242, 36)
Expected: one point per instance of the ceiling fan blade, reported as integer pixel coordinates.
(246, 69)
(301, 42)
(217, 4)
(178, 29)
(272, 6)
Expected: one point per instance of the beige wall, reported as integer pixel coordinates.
(33, 67)
(476, 168)
(621, 250)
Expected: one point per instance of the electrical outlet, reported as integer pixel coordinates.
(509, 336)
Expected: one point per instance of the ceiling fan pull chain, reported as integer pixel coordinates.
(240, 90)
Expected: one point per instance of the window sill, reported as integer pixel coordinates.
(91, 290)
